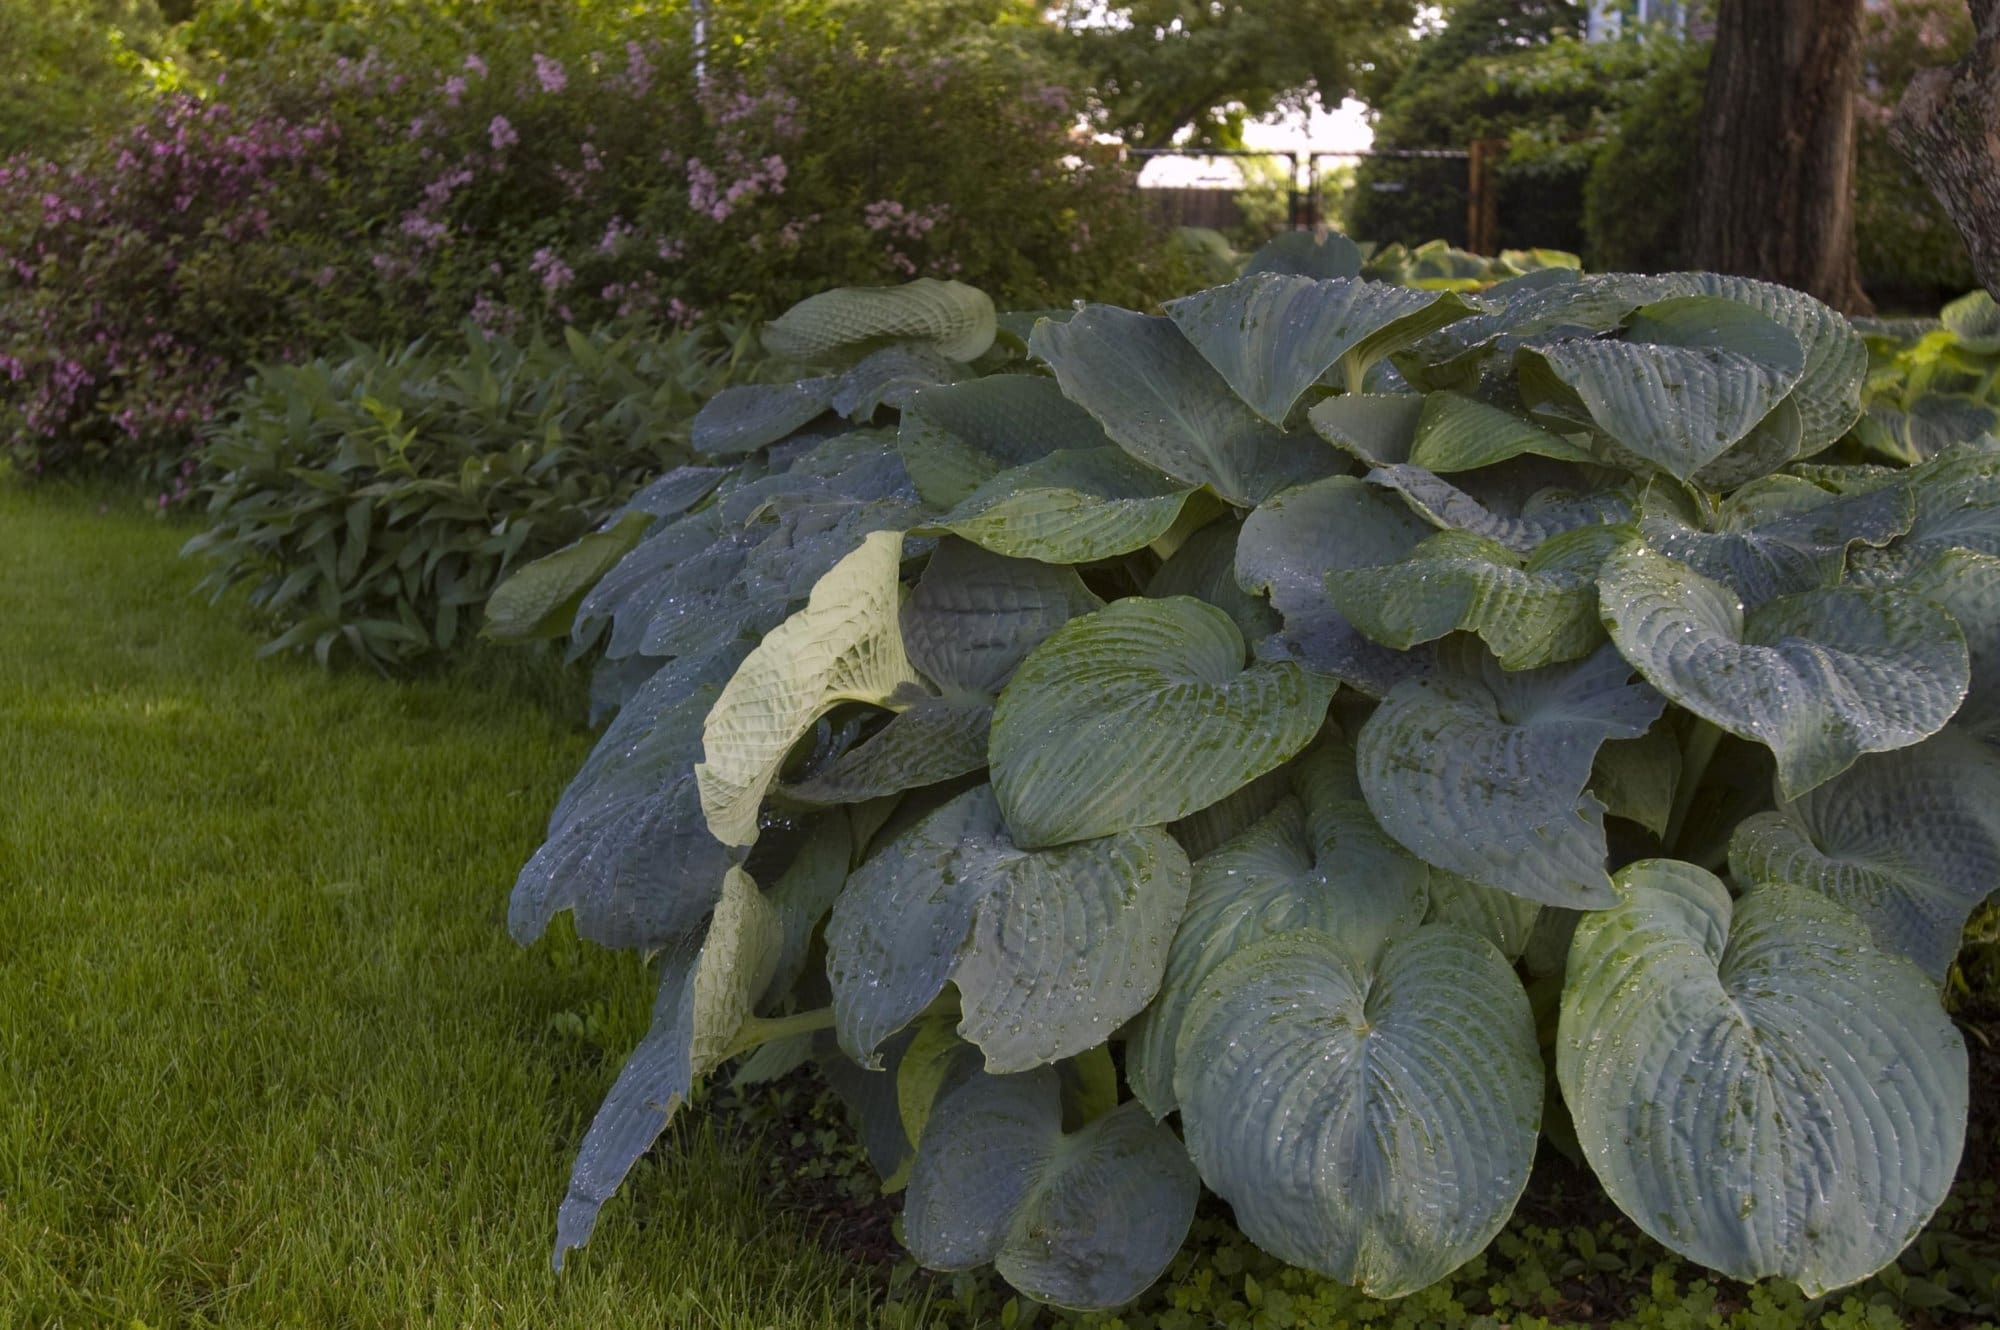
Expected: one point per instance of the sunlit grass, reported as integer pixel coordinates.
(267, 1055)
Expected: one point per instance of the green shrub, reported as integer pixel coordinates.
(1322, 711)
(72, 67)
(1550, 100)
(371, 502)
(1633, 220)
(554, 177)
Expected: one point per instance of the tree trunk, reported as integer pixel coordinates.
(1774, 170)
(1948, 127)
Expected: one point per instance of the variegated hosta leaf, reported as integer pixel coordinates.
(1162, 403)
(1376, 1125)
(1484, 773)
(1459, 433)
(1975, 320)
(954, 319)
(628, 849)
(1519, 503)
(1533, 612)
(1308, 255)
(1289, 546)
(1909, 840)
(749, 416)
(1069, 508)
(1819, 678)
(1321, 864)
(704, 1000)
(1051, 950)
(1274, 335)
(954, 439)
(540, 598)
(1375, 429)
(974, 615)
(844, 646)
(1141, 714)
(1205, 567)
(1776, 536)
(1085, 1220)
(1754, 1082)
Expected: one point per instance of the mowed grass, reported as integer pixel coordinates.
(267, 1054)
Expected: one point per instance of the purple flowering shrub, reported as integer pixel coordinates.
(544, 180)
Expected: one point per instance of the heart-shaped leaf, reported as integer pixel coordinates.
(844, 646)
(1085, 1220)
(1321, 864)
(1273, 335)
(1051, 950)
(1801, 1095)
(1333, 1105)
(1205, 567)
(974, 615)
(1909, 840)
(1162, 403)
(1375, 429)
(1308, 255)
(1484, 773)
(1069, 507)
(1141, 714)
(1819, 678)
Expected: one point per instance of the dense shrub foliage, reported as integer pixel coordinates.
(1376, 727)
(371, 501)
(540, 180)
(1551, 100)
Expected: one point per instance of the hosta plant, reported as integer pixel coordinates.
(1129, 753)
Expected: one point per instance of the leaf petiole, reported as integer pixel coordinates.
(763, 1030)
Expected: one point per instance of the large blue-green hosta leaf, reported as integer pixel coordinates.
(844, 646)
(628, 849)
(1754, 1082)
(1908, 840)
(1373, 1123)
(1957, 498)
(748, 416)
(1308, 255)
(1069, 507)
(1205, 567)
(1140, 714)
(954, 439)
(1167, 407)
(1519, 503)
(1318, 863)
(1375, 429)
(1084, 1220)
(1776, 536)
(1820, 678)
(1273, 335)
(705, 998)
(1051, 950)
(1532, 612)
(1483, 772)
(1458, 433)
(1293, 541)
(1967, 586)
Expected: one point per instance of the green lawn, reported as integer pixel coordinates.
(267, 1055)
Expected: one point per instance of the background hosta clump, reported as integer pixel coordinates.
(1316, 742)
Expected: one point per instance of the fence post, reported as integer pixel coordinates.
(1482, 219)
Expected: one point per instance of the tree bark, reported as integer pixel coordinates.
(1774, 170)
(1948, 127)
